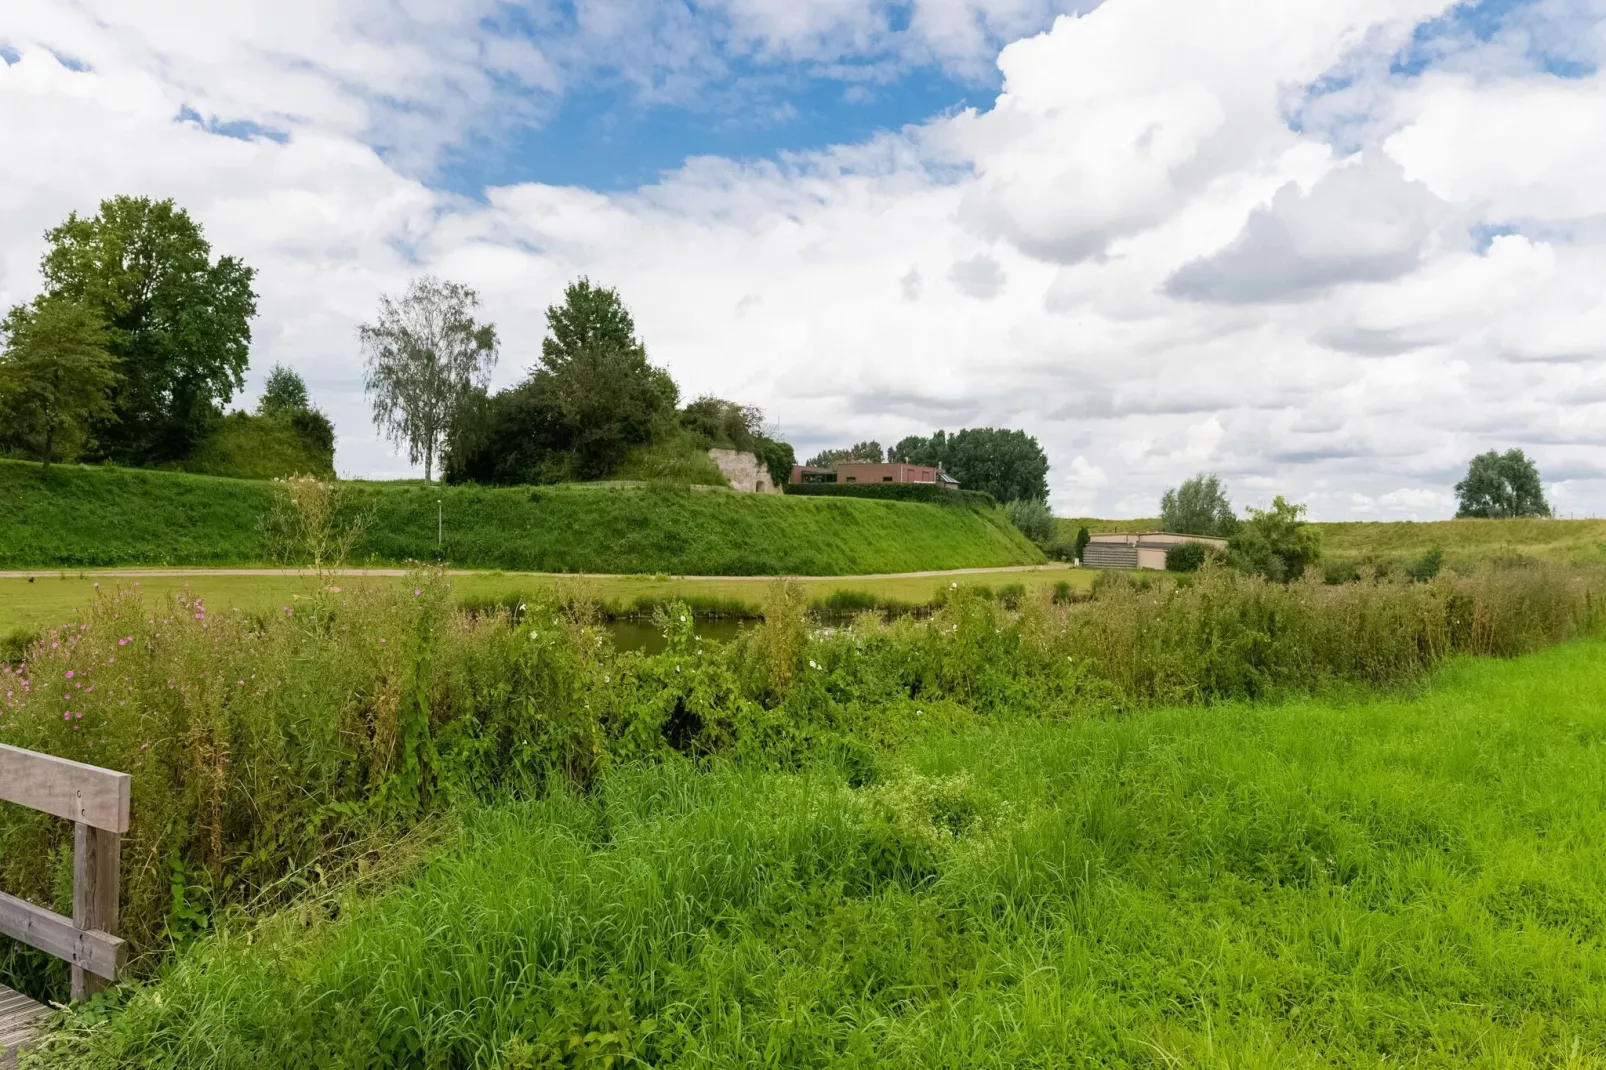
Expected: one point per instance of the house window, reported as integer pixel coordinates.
(852, 479)
(886, 479)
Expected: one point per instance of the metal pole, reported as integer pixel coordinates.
(440, 526)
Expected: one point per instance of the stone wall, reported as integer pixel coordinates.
(744, 471)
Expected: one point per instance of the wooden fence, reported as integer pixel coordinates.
(96, 801)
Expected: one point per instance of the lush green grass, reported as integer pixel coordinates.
(1418, 879)
(55, 597)
(77, 517)
(1465, 543)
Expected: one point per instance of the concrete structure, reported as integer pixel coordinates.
(1138, 549)
(743, 471)
(868, 472)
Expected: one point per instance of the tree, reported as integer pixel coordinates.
(1032, 517)
(177, 321)
(56, 377)
(425, 353)
(1198, 507)
(1501, 485)
(859, 452)
(1276, 543)
(284, 392)
(1007, 464)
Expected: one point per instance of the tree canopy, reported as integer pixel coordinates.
(426, 354)
(1198, 507)
(1006, 463)
(1501, 485)
(176, 321)
(56, 378)
(284, 392)
(863, 452)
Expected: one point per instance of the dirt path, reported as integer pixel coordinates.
(23, 574)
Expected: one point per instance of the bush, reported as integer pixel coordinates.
(244, 446)
(1033, 518)
(1276, 543)
(1428, 565)
(1186, 557)
(930, 493)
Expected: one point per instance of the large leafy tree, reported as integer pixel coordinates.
(592, 397)
(1198, 507)
(426, 356)
(177, 321)
(56, 377)
(1006, 463)
(1501, 485)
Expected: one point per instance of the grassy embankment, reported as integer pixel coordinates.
(1397, 544)
(1411, 879)
(77, 517)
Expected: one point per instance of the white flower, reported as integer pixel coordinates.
(683, 618)
(812, 665)
(535, 635)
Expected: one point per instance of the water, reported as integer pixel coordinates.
(641, 635)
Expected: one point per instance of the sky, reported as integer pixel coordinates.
(1329, 249)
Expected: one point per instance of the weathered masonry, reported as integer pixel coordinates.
(1138, 549)
(96, 801)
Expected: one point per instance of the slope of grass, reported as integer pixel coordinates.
(1418, 879)
(76, 517)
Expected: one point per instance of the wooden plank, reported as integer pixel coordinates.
(96, 854)
(19, 1021)
(68, 789)
(100, 953)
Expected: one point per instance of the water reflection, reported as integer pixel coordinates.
(641, 635)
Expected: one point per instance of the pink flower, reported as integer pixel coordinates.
(125, 640)
(69, 674)
(97, 586)
(66, 715)
(142, 746)
(79, 715)
(381, 639)
(417, 591)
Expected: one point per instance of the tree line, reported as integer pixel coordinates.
(138, 340)
(593, 406)
(1006, 463)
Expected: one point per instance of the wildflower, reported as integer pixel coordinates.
(97, 586)
(812, 665)
(79, 715)
(66, 715)
(381, 639)
(535, 635)
(125, 640)
(336, 590)
(69, 674)
(417, 590)
(142, 746)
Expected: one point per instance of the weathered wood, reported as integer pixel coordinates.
(100, 953)
(73, 790)
(19, 1018)
(96, 854)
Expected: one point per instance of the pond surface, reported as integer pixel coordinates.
(637, 634)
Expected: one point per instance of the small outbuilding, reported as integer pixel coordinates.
(1138, 549)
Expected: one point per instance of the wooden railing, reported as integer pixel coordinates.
(96, 800)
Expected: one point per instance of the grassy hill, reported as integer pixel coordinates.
(81, 517)
(1464, 542)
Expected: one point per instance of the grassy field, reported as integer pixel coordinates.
(1464, 543)
(1416, 879)
(80, 517)
(54, 597)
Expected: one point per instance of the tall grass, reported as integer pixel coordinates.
(1413, 881)
(269, 752)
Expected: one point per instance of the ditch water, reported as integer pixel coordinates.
(636, 634)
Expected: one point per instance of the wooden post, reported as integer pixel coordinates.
(96, 856)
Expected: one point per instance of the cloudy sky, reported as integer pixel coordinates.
(1328, 248)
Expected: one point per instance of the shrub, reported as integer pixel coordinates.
(1033, 518)
(1186, 557)
(1428, 565)
(1276, 543)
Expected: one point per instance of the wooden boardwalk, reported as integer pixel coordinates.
(19, 1017)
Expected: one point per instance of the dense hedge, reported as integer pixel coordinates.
(930, 493)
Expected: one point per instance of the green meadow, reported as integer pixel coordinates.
(1414, 878)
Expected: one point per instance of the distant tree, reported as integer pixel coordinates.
(1501, 485)
(594, 370)
(1276, 543)
(424, 355)
(1005, 463)
(860, 452)
(284, 392)
(1083, 537)
(1198, 507)
(56, 377)
(177, 321)
(1032, 518)
(914, 449)
(724, 424)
